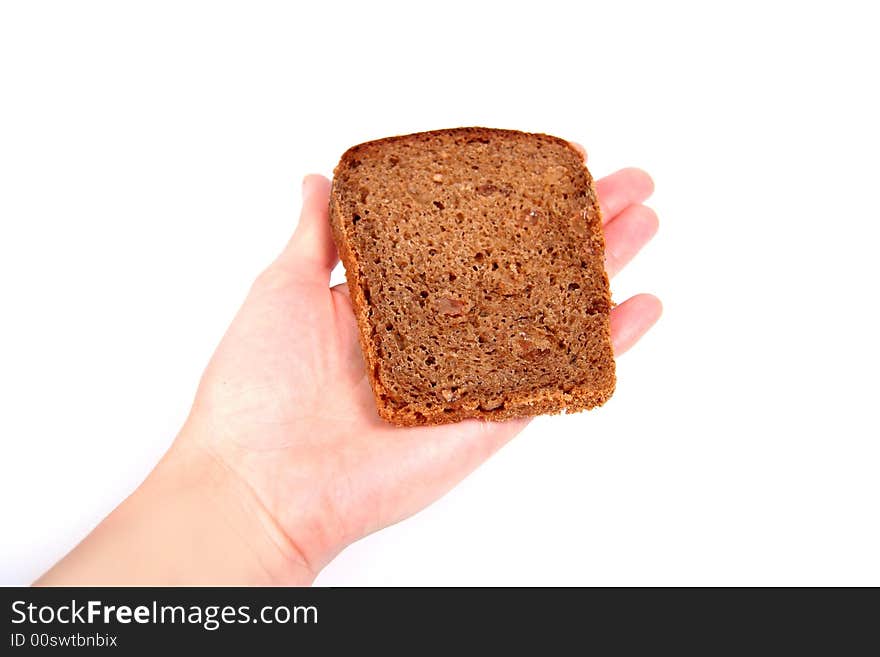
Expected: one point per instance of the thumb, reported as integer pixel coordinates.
(311, 253)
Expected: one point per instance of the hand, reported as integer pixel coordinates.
(284, 431)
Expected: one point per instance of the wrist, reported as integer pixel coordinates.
(224, 534)
(189, 523)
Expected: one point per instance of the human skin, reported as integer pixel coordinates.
(283, 461)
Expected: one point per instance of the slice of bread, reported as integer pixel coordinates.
(475, 264)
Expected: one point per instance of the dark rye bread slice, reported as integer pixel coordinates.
(475, 264)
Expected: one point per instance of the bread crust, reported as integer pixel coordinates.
(550, 400)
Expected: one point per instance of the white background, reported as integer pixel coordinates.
(150, 160)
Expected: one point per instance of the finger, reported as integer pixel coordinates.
(621, 190)
(626, 234)
(579, 148)
(311, 251)
(632, 319)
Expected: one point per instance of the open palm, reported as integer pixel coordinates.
(286, 407)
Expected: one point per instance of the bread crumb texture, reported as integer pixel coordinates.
(475, 262)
